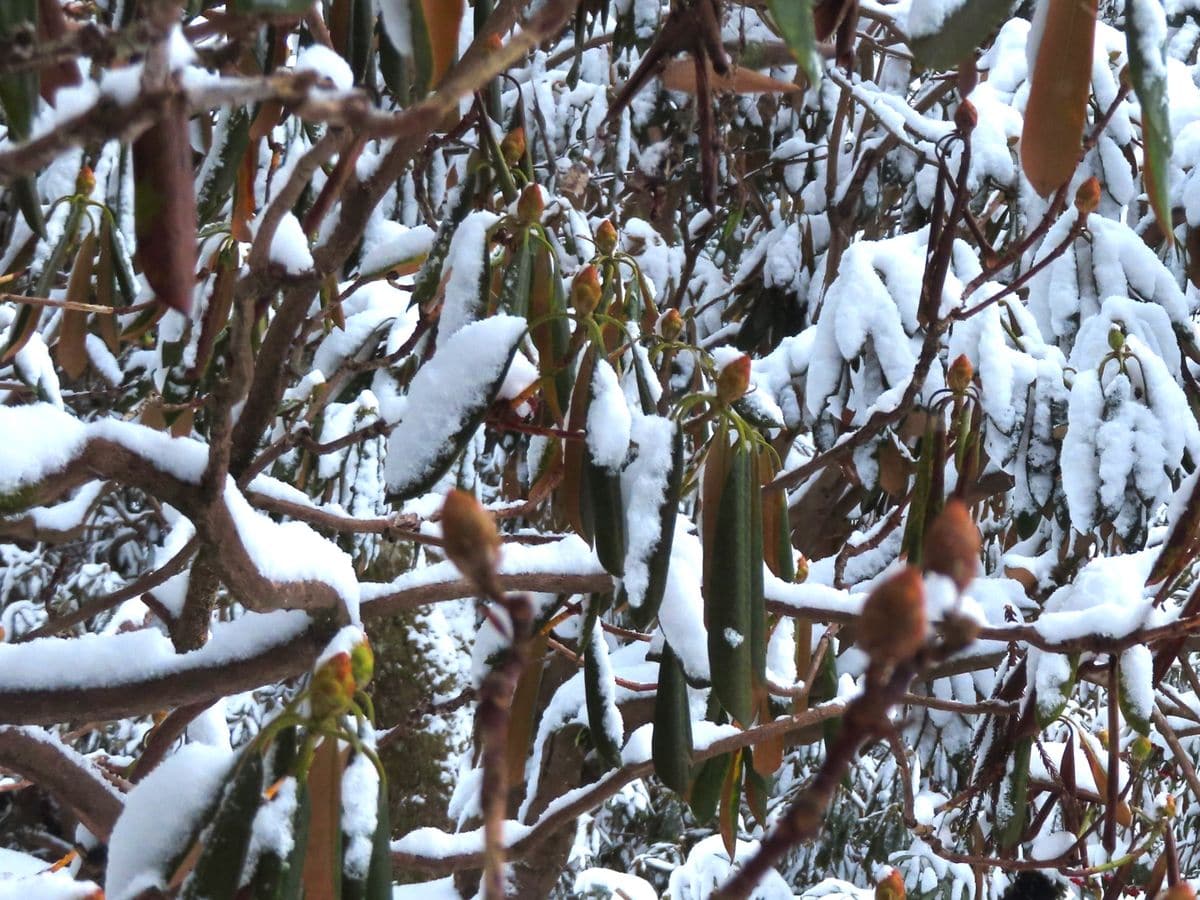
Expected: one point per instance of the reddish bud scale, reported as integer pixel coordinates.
(606, 237)
(890, 887)
(893, 624)
(512, 148)
(959, 376)
(966, 117)
(333, 686)
(1087, 197)
(586, 290)
(530, 205)
(470, 539)
(952, 544)
(670, 325)
(733, 380)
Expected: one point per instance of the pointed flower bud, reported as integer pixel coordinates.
(1116, 339)
(606, 237)
(733, 380)
(966, 117)
(892, 626)
(471, 540)
(1087, 197)
(332, 687)
(952, 544)
(512, 148)
(530, 205)
(362, 663)
(85, 181)
(958, 378)
(670, 325)
(890, 887)
(585, 291)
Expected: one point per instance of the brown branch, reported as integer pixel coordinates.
(43, 759)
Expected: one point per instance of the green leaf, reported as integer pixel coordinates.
(219, 868)
(518, 278)
(729, 598)
(671, 740)
(426, 283)
(795, 21)
(439, 421)
(1146, 40)
(1135, 693)
(967, 27)
(706, 789)
(229, 146)
(1054, 681)
(1014, 796)
(604, 719)
(659, 560)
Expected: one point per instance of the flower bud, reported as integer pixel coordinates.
(470, 539)
(966, 117)
(891, 887)
(959, 376)
(1087, 197)
(1116, 339)
(801, 569)
(1141, 748)
(606, 237)
(362, 663)
(512, 148)
(892, 626)
(530, 205)
(733, 380)
(332, 687)
(1180, 891)
(670, 325)
(85, 181)
(585, 291)
(952, 544)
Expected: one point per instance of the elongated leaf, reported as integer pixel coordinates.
(232, 136)
(1054, 680)
(729, 595)
(1014, 796)
(165, 207)
(655, 554)
(547, 306)
(447, 401)
(219, 868)
(19, 97)
(70, 351)
(680, 75)
(443, 19)
(522, 715)
(940, 38)
(731, 796)
(706, 788)
(1146, 39)
(1183, 537)
(671, 740)
(794, 18)
(1100, 776)
(604, 718)
(1136, 687)
(576, 498)
(1052, 137)
(323, 854)
(518, 278)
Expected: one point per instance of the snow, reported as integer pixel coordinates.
(466, 288)
(926, 17)
(289, 246)
(608, 419)
(454, 385)
(643, 489)
(326, 63)
(613, 724)
(395, 244)
(596, 882)
(681, 616)
(60, 885)
(144, 841)
(93, 661)
(707, 867)
(360, 815)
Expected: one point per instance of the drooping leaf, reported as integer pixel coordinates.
(671, 740)
(1183, 536)
(231, 136)
(70, 351)
(1052, 137)
(447, 400)
(654, 554)
(1136, 687)
(1014, 796)
(323, 851)
(794, 18)
(1054, 681)
(942, 35)
(443, 18)
(19, 98)
(706, 787)
(731, 796)
(219, 867)
(604, 718)
(165, 207)
(680, 75)
(1146, 39)
(729, 595)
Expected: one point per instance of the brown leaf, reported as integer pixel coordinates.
(322, 858)
(680, 75)
(442, 19)
(70, 351)
(165, 207)
(1057, 108)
